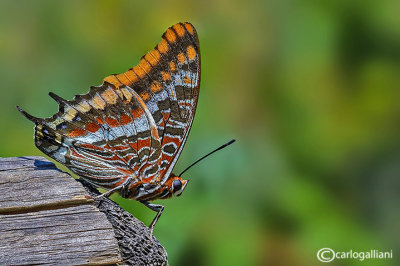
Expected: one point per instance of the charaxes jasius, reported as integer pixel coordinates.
(127, 134)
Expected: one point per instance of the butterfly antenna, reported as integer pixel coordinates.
(217, 149)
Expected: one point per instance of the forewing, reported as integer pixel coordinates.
(168, 80)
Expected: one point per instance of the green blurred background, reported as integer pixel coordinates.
(310, 90)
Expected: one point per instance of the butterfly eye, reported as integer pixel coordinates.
(176, 185)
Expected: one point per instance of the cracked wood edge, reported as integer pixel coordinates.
(32, 185)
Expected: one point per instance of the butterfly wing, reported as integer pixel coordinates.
(136, 123)
(101, 136)
(168, 79)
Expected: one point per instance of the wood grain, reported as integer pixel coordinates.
(34, 182)
(47, 217)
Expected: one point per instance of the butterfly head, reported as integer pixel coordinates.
(176, 185)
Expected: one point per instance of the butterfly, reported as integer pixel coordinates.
(126, 135)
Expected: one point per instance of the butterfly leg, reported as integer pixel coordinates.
(123, 186)
(157, 208)
(109, 192)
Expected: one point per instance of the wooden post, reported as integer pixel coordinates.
(47, 217)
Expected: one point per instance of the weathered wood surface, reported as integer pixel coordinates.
(34, 182)
(47, 217)
(133, 236)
